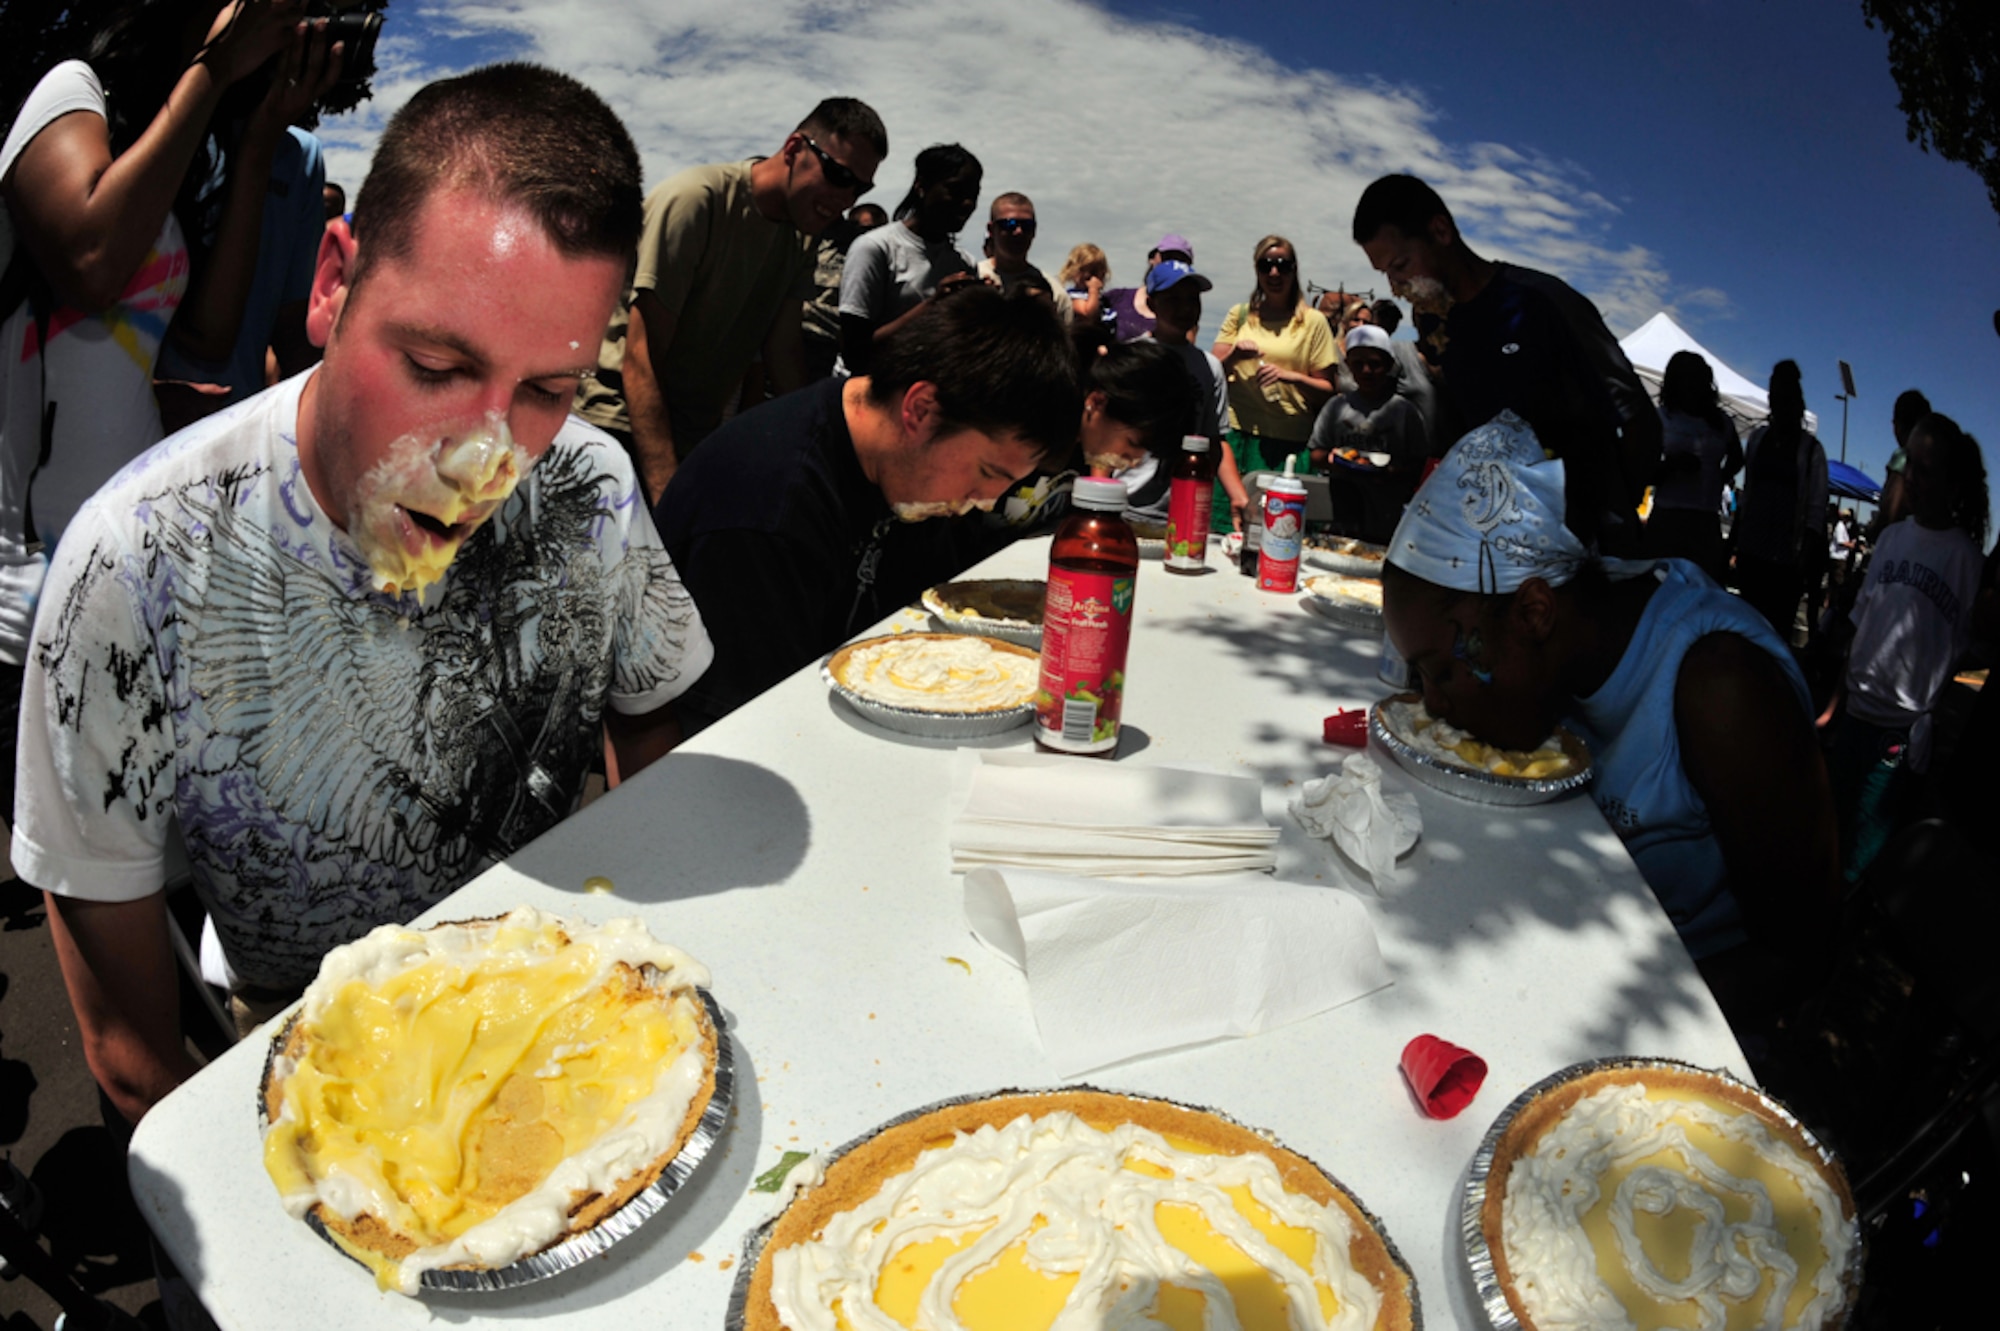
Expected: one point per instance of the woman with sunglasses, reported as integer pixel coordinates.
(1279, 354)
(892, 270)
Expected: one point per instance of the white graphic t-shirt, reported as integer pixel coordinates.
(99, 372)
(211, 650)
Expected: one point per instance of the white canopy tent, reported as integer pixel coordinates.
(1652, 344)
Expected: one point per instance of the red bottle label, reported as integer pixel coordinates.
(1188, 506)
(1086, 628)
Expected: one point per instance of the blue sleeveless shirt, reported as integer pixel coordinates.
(1640, 785)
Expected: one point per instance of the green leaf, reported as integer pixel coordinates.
(773, 1178)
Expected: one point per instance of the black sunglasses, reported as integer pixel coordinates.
(1276, 263)
(838, 176)
(1014, 226)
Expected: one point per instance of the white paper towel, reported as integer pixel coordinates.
(1065, 815)
(1116, 970)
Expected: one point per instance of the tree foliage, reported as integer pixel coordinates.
(1945, 56)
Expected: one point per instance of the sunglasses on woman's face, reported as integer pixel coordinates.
(837, 175)
(1276, 263)
(1014, 226)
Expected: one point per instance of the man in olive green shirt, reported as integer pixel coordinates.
(724, 268)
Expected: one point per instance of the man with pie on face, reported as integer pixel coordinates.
(363, 634)
(803, 523)
(1522, 341)
(725, 267)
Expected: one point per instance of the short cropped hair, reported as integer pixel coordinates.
(519, 134)
(1002, 365)
(1010, 197)
(1146, 386)
(847, 118)
(1404, 202)
(1388, 315)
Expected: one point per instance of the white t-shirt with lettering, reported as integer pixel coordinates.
(1912, 621)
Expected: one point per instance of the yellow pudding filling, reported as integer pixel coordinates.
(1017, 1226)
(454, 1101)
(1446, 741)
(939, 672)
(1669, 1206)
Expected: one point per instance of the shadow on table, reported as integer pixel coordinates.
(1292, 653)
(691, 824)
(167, 1215)
(691, 1219)
(1558, 871)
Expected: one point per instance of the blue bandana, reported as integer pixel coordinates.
(1490, 517)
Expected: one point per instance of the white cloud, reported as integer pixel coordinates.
(1118, 130)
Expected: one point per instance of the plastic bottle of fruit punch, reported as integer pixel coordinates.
(1190, 497)
(1087, 623)
(1284, 532)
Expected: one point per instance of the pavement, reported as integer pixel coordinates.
(53, 1130)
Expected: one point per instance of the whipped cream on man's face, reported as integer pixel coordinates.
(413, 510)
(918, 510)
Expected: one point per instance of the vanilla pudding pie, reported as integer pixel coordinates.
(1075, 1208)
(464, 1096)
(946, 673)
(1664, 1196)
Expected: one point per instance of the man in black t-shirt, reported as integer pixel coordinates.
(792, 529)
(1519, 340)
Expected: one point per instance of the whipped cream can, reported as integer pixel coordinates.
(1284, 535)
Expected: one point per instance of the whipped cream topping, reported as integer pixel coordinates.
(1423, 732)
(456, 483)
(922, 509)
(520, 939)
(1555, 1265)
(941, 674)
(1064, 1190)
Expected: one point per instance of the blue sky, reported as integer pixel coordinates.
(1741, 165)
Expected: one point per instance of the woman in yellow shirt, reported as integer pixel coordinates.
(1279, 355)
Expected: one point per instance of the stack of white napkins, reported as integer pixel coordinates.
(1118, 970)
(1106, 820)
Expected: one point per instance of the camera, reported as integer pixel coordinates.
(355, 23)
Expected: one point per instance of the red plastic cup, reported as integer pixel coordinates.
(1347, 727)
(1443, 1076)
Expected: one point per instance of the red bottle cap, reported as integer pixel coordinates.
(1443, 1076)
(1347, 727)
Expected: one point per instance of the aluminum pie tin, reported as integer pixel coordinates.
(1472, 1197)
(1022, 632)
(1345, 558)
(597, 1240)
(1468, 783)
(1341, 610)
(919, 722)
(755, 1241)
(1152, 538)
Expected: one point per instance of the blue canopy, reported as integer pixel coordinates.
(1851, 483)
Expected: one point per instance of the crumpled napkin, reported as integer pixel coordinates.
(1352, 810)
(1116, 970)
